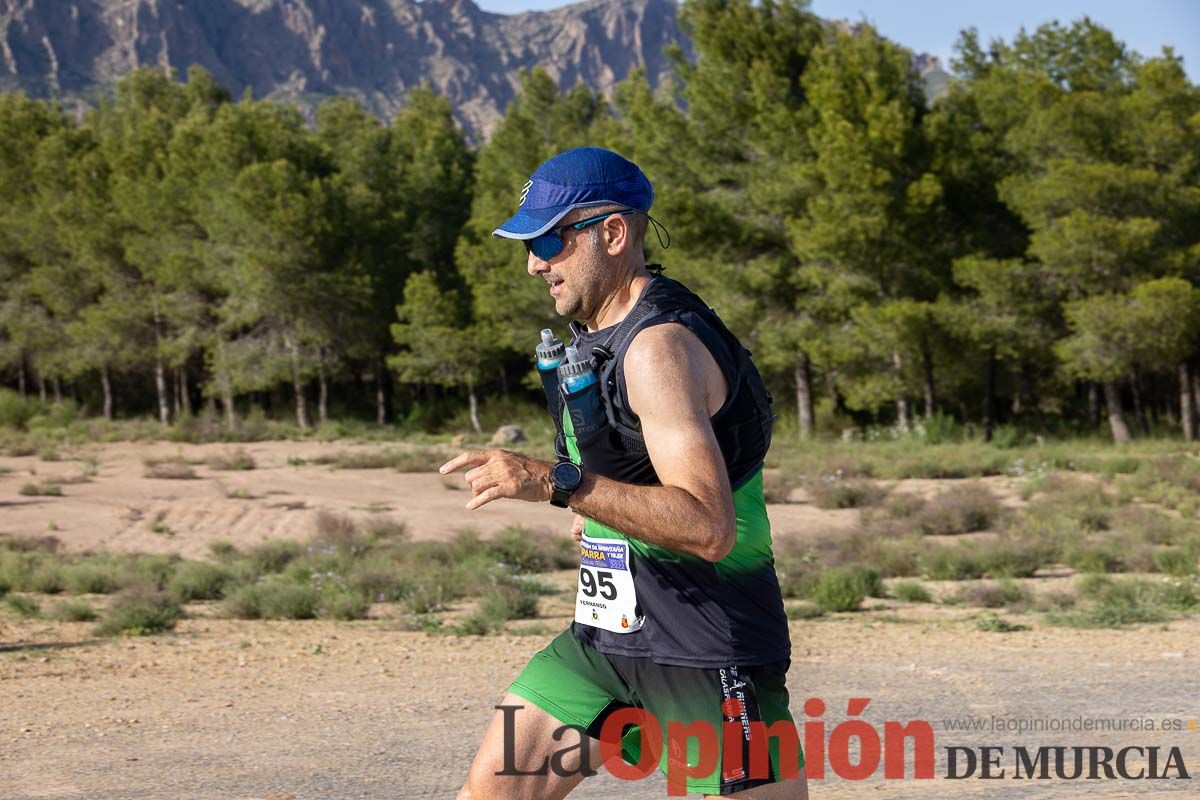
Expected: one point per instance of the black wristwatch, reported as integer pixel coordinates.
(565, 478)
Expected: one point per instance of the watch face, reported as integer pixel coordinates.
(566, 475)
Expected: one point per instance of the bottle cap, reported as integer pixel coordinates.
(550, 348)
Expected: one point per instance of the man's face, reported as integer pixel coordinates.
(576, 275)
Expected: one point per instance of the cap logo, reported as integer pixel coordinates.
(525, 191)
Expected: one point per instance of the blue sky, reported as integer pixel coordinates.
(932, 26)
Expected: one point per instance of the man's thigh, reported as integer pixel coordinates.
(528, 754)
(536, 745)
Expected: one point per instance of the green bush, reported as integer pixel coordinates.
(1089, 557)
(839, 589)
(74, 611)
(93, 577)
(140, 611)
(912, 592)
(505, 602)
(16, 412)
(22, 606)
(273, 598)
(41, 490)
(1175, 561)
(273, 555)
(155, 570)
(1009, 558)
(46, 579)
(950, 564)
(343, 604)
(199, 580)
(805, 610)
(994, 624)
(534, 551)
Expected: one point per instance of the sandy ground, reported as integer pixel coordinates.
(119, 508)
(238, 709)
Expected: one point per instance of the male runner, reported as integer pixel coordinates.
(687, 619)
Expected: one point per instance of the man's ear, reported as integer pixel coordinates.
(616, 234)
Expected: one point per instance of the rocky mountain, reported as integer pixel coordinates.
(304, 50)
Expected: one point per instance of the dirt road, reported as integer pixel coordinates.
(323, 710)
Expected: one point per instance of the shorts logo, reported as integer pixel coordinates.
(525, 191)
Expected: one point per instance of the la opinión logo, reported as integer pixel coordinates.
(820, 749)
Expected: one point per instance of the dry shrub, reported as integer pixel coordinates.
(238, 459)
(961, 509)
(169, 469)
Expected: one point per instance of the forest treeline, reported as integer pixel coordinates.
(1025, 249)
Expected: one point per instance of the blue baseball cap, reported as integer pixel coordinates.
(576, 178)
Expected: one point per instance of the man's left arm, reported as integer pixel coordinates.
(670, 378)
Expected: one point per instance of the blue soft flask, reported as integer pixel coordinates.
(581, 391)
(549, 354)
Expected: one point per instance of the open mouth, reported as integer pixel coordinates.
(554, 286)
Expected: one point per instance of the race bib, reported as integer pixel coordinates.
(606, 597)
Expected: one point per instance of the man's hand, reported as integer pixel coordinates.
(501, 473)
(577, 528)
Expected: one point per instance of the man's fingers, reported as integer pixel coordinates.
(485, 497)
(474, 458)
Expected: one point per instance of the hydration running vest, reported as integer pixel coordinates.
(697, 613)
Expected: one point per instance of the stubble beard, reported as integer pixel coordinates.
(588, 273)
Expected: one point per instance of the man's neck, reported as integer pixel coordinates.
(622, 301)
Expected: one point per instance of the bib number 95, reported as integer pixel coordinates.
(593, 582)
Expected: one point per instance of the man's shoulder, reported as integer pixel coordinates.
(662, 344)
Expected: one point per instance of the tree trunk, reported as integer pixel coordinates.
(160, 384)
(901, 401)
(989, 397)
(108, 397)
(1093, 396)
(41, 383)
(804, 401)
(298, 386)
(1116, 413)
(1139, 408)
(185, 392)
(160, 377)
(474, 405)
(225, 384)
(21, 377)
(927, 363)
(381, 405)
(322, 395)
(210, 407)
(57, 390)
(1187, 402)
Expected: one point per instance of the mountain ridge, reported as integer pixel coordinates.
(305, 50)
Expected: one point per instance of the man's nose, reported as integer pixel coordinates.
(536, 266)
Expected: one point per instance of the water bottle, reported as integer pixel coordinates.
(549, 354)
(581, 391)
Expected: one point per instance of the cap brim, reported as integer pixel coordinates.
(531, 223)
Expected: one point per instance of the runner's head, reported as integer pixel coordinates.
(582, 216)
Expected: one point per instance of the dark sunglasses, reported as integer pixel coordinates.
(550, 243)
